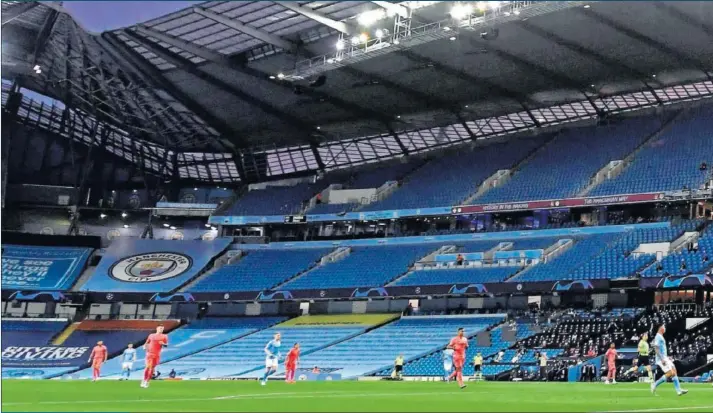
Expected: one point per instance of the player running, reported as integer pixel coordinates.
(293, 357)
(447, 363)
(272, 355)
(153, 346)
(610, 355)
(128, 357)
(97, 358)
(665, 364)
(458, 344)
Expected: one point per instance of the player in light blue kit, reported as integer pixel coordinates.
(447, 362)
(272, 355)
(665, 364)
(127, 361)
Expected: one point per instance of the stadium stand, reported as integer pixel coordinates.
(196, 336)
(351, 271)
(31, 333)
(410, 336)
(618, 260)
(565, 166)
(246, 354)
(696, 260)
(675, 157)
(274, 200)
(449, 180)
(42, 268)
(432, 363)
(260, 270)
(561, 267)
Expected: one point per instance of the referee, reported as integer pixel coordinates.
(644, 355)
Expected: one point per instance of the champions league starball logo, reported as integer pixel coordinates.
(151, 267)
(573, 285)
(685, 281)
(468, 289)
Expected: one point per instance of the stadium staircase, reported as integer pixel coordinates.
(86, 274)
(446, 249)
(64, 335)
(387, 193)
(595, 181)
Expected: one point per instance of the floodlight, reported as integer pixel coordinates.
(126, 226)
(355, 40)
(166, 225)
(452, 38)
(124, 215)
(370, 17)
(36, 68)
(363, 38)
(461, 11)
(172, 228)
(102, 216)
(207, 225)
(379, 33)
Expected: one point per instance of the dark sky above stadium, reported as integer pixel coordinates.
(99, 16)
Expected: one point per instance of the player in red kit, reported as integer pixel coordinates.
(291, 360)
(153, 346)
(97, 358)
(611, 364)
(458, 344)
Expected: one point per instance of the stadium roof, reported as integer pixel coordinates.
(223, 81)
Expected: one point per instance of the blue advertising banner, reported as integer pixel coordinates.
(33, 373)
(47, 356)
(349, 216)
(42, 268)
(144, 265)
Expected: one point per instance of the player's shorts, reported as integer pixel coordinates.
(271, 362)
(643, 361)
(477, 367)
(127, 365)
(153, 360)
(399, 369)
(447, 366)
(458, 362)
(666, 365)
(96, 363)
(290, 366)
(611, 366)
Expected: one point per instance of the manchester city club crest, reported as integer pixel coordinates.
(135, 201)
(156, 266)
(188, 198)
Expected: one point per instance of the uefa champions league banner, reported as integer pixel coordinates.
(45, 356)
(143, 265)
(474, 289)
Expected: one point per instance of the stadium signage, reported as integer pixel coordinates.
(150, 267)
(558, 203)
(14, 355)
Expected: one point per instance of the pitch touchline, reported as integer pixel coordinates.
(662, 409)
(292, 395)
(239, 396)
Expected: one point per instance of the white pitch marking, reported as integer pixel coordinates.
(662, 409)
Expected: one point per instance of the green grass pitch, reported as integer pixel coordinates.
(347, 396)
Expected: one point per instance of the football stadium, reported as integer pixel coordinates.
(344, 206)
